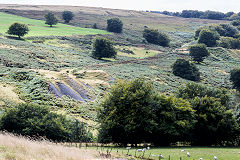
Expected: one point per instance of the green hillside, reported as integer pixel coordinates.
(39, 28)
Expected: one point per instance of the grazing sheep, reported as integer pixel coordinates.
(201, 159)
(139, 150)
(215, 158)
(183, 150)
(128, 148)
(160, 156)
(148, 148)
(188, 154)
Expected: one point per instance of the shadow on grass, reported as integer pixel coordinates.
(15, 38)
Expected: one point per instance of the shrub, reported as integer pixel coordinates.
(235, 78)
(103, 48)
(155, 37)
(114, 25)
(186, 70)
(198, 52)
(208, 37)
(236, 23)
(35, 120)
(18, 29)
(229, 42)
(51, 19)
(67, 16)
(192, 90)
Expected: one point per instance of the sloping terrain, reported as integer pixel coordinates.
(20, 148)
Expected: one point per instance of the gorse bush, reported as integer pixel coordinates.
(114, 25)
(198, 52)
(208, 37)
(36, 120)
(229, 42)
(155, 37)
(18, 29)
(186, 70)
(235, 78)
(103, 48)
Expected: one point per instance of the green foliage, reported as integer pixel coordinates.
(192, 90)
(51, 19)
(18, 29)
(133, 109)
(229, 30)
(215, 125)
(155, 37)
(174, 118)
(229, 42)
(35, 120)
(114, 25)
(198, 52)
(103, 48)
(126, 112)
(186, 70)
(236, 23)
(235, 78)
(208, 37)
(67, 16)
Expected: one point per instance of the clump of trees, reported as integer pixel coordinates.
(18, 29)
(186, 70)
(103, 48)
(229, 42)
(235, 78)
(36, 120)
(133, 112)
(198, 52)
(51, 19)
(114, 25)
(155, 37)
(67, 16)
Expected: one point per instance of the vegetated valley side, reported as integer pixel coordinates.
(122, 77)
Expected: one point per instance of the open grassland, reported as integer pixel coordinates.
(176, 153)
(20, 148)
(39, 28)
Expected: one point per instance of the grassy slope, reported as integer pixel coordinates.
(20, 148)
(39, 28)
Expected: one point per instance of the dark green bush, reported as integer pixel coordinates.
(35, 120)
(236, 23)
(229, 42)
(229, 30)
(18, 29)
(235, 78)
(103, 48)
(155, 37)
(114, 25)
(208, 37)
(198, 52)
(67, 16)
(186, 70)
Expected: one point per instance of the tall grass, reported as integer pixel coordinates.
(22, 148)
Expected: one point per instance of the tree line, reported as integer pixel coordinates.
(203, 15)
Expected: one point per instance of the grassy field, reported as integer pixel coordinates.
(176, 153)
(39, 28)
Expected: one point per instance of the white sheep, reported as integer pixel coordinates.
(183, 150)
(201, 159)
(148, 148)
(215, 158)
(188, 154)
(160, 156)
(128, 148)
(139, 150)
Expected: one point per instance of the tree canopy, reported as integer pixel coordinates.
(18, 29)
(155, 37)
(114, 25)
(51, 19)
(198, 52)
(67, 16)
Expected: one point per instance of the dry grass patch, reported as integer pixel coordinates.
(7, 93)
(20, 148)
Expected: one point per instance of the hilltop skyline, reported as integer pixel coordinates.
(154, 5)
